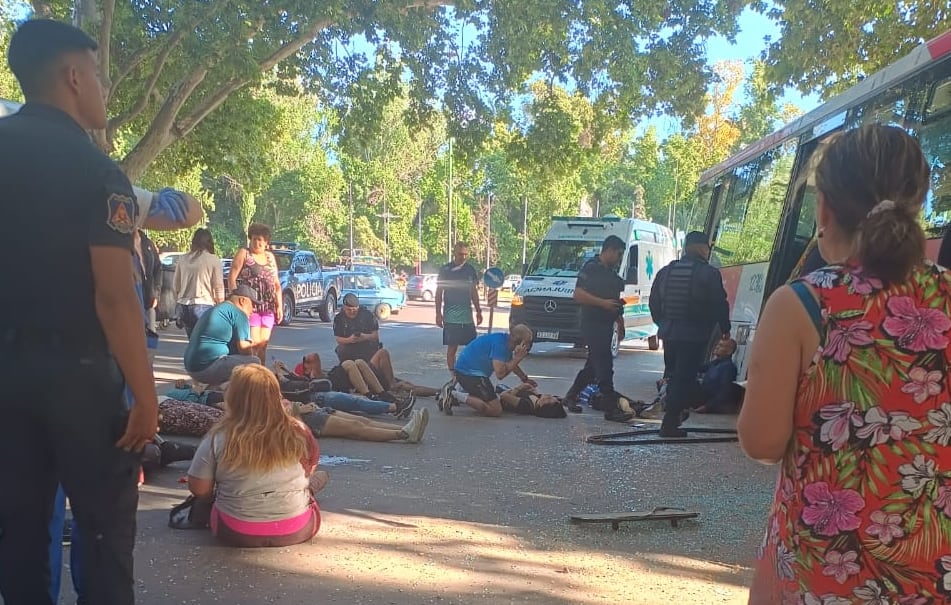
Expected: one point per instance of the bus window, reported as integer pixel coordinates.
(894, 107)
(935, 139)
(697, 215)
(751, 213)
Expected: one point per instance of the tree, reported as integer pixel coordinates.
(168, 67)
(9, 89)
(844, 41)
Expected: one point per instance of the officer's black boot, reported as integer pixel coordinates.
(670, 426)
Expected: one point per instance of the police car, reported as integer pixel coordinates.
(306, 287)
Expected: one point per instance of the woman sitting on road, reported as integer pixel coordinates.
(258, 464)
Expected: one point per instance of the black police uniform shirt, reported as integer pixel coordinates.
(364, 323)
(61, 195)
(603, 282)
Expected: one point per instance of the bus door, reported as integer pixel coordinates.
(796, 237)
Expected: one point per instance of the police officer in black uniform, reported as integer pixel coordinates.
(687, 303)
(598, 291)
(71, 332)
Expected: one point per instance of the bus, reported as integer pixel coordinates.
(759, 205)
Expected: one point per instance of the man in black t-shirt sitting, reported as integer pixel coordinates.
(358, 337)
(357, 331)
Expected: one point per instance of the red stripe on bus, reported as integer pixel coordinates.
(940, 46)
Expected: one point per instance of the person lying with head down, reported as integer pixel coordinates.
(525, 400)
(259, 465)
(348, 388)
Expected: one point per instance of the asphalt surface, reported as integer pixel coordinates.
(478, 512)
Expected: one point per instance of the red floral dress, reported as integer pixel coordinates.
(862, 510)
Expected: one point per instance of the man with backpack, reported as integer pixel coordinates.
(687, 303)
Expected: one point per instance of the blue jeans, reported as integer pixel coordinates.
(345, 402)
(57, 521)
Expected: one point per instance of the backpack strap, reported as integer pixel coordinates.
(808, 300)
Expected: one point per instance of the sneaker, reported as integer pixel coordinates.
(672, 433)
(571, 402)
(445, 397)
(384, 396)
(416, 426)
(405, 406)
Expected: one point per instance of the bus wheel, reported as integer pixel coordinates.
(653, 343)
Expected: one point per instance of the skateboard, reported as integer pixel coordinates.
(652, 437)
(661, 513)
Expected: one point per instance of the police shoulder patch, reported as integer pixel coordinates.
(122, 211)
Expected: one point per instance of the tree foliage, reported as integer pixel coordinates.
(169, 66)
(827, 47)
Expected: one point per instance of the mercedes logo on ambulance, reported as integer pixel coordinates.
(550, 306)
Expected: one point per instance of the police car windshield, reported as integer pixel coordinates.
(283, 260)
(560, 258)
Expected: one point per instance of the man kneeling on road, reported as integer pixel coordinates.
(489, 354)
(221, 340)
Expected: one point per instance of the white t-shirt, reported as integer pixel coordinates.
(278, 494)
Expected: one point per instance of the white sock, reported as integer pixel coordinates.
(460, 396)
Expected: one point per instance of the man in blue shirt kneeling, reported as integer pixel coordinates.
(491, 354)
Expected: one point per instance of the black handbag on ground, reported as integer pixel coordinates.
(191, 514)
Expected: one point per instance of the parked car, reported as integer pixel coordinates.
(170, 259)
(512, 282)
(422, 287)
(379, 270)
(373, 293)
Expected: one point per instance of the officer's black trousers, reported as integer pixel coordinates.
(60, 416)
(683, 360)
(599, 367)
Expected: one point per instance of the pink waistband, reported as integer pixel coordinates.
(281, 527)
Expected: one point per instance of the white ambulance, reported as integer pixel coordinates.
(544, 299)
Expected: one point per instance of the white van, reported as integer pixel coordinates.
(544, 300)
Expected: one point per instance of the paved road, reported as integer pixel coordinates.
(478, 512)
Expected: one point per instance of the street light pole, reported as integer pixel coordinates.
(524, 231)
(350, 204)
(419, 246)
(449, 224)
(488, 236)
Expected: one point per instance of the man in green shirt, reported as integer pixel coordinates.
(456, 296)
(221, 340)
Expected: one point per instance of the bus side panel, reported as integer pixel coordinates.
(744, 286)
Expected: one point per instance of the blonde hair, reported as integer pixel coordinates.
(875, 179)
(259, 433)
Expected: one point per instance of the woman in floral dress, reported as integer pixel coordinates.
(849, 391)
(255, 266)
